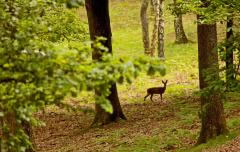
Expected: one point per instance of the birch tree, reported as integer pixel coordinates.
(161, 31)
(178, 24)
(145, 26)
(156, 6)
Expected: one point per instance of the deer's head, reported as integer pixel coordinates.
(165, 82)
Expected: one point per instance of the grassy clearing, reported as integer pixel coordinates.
(172, 125)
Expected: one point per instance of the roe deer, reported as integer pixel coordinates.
(156, 90)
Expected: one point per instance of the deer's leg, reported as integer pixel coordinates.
(151, 97)
(161, 96)
(146, 96)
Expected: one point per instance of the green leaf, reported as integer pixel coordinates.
(74, 3)
(106, 105)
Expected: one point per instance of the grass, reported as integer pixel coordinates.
(151, 127)
(212, 143)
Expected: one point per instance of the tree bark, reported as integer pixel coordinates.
(229, 53)
(152, 8)
(178, 26)
(161, 31)
(102, 117)
(155, 27)
(10, 120)
(145, 31)
(99, 26)
(213, 119)
(179, 31)
(13, 126)
(28, 130)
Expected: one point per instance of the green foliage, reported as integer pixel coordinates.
(36, 72)
(233, 46)
(32, 72)
(211, 12)
(222, 10)
(64, 24)
(69, 3)
(74, 3)
(180, 7)
(216, 10)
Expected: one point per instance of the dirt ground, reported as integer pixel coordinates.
(71, 132)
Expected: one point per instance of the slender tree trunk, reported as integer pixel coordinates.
(145, 31)
(152, 8)
(178, 26)
(28, 130)
(161, 31)
(99, 25)
(155, 28)
(213, 120)
(229, 53)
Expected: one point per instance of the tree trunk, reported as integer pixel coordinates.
(10, 120)
(178, 26)
(155, 28)
(152, 8)
(161, 31)
(99, 26)
(213, 120)
(102, 117)
(28, 130)
(145, 31)
(229, 54)
(179, 31)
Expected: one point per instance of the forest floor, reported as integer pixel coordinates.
(170, 125)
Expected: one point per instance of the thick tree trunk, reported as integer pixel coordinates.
(102, 117)
(179, 31)
(213, 120)
(10, 120)
(145, 31)
(99, 25)
(155, 27)
(161, 31)
(178, 26)
(229, 54)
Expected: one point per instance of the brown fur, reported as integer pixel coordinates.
(156, 90)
